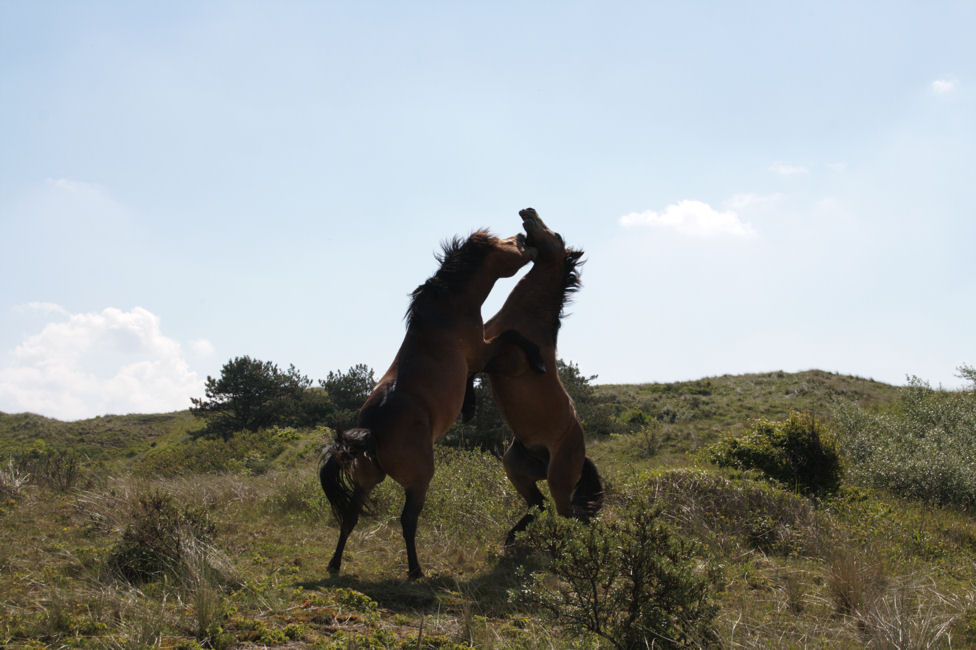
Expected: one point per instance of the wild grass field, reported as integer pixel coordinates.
(127, 532)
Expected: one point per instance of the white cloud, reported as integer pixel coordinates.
(90, 364)
(43, 307)
(788, 169)
(943, 86)
(202, 347)
(692, 218)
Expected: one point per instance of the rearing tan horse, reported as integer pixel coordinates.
(420, 396)
(548, 441)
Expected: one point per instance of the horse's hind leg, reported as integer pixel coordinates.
(524, 470)
(565, 469)
(588, 494)
(350, 516)
(416, 496)
(365, 477)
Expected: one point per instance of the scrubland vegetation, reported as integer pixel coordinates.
(773, 510)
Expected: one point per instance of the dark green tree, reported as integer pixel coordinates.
(339, 397)
(250, 394)
(349, 390)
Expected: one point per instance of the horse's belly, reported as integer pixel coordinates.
(537, 411)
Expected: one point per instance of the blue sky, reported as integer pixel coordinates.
(757, 186)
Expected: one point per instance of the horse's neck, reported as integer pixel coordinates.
(455, 311)
(477, 291)
(533, 304)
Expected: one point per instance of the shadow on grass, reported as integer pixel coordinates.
(488, 591)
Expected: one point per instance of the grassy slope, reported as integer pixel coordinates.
(277, 533)
(104, 437)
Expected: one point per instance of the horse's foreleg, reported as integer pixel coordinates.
(416, 496)
(524, 471)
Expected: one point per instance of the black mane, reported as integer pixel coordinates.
(459, 259)
(572, 261)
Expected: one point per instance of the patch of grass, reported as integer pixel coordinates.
(732, 515)
(854, 579)
(250, 452)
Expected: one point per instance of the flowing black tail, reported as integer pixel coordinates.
(588, 494)
(337, 466)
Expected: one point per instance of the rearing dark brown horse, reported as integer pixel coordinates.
(548, 441)
(420, 396)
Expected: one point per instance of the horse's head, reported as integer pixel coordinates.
(550, 245)
(506, 256)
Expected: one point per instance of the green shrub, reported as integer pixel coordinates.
(797, 452)
(160, 538)
(626, 577)
(59, 469)
(925, 450)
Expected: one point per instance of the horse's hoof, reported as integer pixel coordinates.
(415, 574)
(333, 569)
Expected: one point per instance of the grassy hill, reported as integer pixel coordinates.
(251, 533)
(731, 400)
(104, 437)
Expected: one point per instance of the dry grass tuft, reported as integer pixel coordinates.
(853, 580)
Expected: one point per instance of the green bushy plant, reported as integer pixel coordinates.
(798, 452)
(925, 449)
(160, 538)
(627, 578)
(59, 469)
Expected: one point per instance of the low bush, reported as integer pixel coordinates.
(59, 469)
(797, 452)
(161, 538)
(627, 578)
(924, 450)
